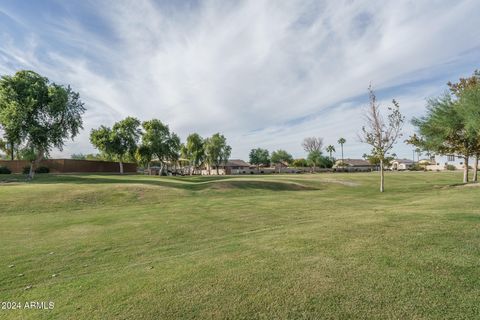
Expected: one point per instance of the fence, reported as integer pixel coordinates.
(71, 166)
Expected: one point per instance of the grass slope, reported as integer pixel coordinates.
(297, 247)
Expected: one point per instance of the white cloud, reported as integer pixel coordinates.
(248, 68)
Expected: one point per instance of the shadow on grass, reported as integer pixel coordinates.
(195, 183)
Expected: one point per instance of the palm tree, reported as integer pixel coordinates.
(330, 149)
(341, 141)
(419, 153)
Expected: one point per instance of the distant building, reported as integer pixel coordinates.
(402, 164)
(354, 165)
(233, 166)
(440, 162)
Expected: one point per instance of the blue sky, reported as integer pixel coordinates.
(264, 73)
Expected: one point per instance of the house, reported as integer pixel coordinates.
(402, 164)
(442, 162)
(233, 166)
(353, 165)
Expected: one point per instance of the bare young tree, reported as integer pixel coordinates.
(381, 134)
(313, 146)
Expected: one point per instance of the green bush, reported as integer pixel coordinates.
(451, 167)
(5, 170)
(26, 170)
(42, 170)
(417, 167)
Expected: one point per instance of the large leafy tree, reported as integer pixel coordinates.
(381, 134)
(466, 91)
(469, 102)
(217, 151)
(39, 114)
(280, 157)
(443, 130)
(144, 156)
(119, 142)
(259, 157)
(316, 159)
(163, 144)
(194, 151)
(298, 163)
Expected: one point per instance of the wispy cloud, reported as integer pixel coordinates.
(265, 73)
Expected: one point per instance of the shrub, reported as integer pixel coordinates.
(5, 170)
(42, 170)
(451, 167)
(26, 170)
(417, 167)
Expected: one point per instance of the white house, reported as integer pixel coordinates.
(440, 162)
(401, 164)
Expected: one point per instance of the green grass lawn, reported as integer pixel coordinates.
(253, 247)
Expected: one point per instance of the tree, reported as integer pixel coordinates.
(281, 156)
(39, 114)
(78, 156)
(173, 150)
(375, 160)
(313, 146)
(463, 84)
(341, 142)
(163, 144)
(467, 91)
(381, 134)
(418, 151)
(119, 142)
(443, 130)
(259, 157)
(10, 147)
(300, 163)
(194, 151)
(330, 149)
(144, 156)
(316, 159)
(217, 151)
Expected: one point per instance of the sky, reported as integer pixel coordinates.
(263, 73)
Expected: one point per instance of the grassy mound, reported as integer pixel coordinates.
(298, 246)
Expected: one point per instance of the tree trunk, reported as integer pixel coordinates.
(382, 177)
(31, 173)
(162, 167)
(465, 170)
(149, 170)
(121, 166)
(217, 170)
(34, 164)
(475, 168)
(12, 151)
